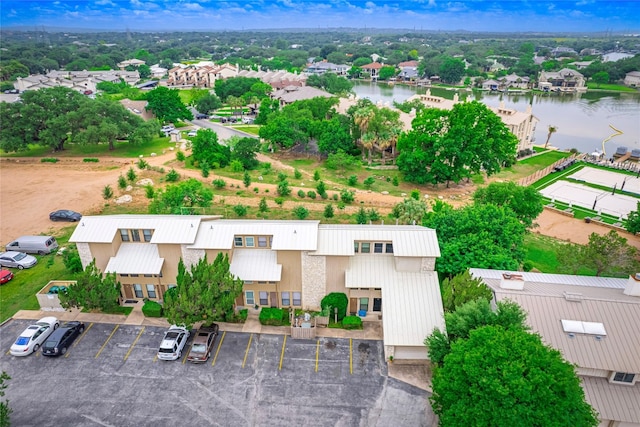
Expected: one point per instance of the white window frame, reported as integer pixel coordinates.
(366, 245)
(148, 234)
(250, 242)
(360, 301)
(151, 289)
(249, 298)
(286, 298)
(621, 381)
(135, 235)
(124, 235)
(296, 297)
(262, 241)
(265, 299)
(236, 240)
(378, 248)
(137, 290)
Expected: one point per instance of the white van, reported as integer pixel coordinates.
(34, 244)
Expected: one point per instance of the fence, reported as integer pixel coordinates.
(528, 180)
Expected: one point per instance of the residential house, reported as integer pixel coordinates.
(130, 63)
(290, 94)
(386, 271)
(373, 69)
(581, 65)
(565, 80)
(521, 124)
(632, 79)
(276, 79)
(491, 84)
(323, 67)
(203, 74)
(82, 81)
(515, 81)
(408, 71)
(563, 51)
(593, 322)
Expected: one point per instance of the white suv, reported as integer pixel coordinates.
(173, 343)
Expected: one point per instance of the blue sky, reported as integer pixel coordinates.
(213, 15)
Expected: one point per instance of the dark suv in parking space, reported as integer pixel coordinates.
(61, 339)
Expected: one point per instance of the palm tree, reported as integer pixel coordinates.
(552, 129)
(362, 118)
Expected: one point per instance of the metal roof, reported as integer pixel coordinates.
(136, 258)
(408, 240)
(177, 229)
(411, 300)
(256, 265)
(613, 401)
(559, 279)
(287, 235)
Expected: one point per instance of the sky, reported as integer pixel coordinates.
(215, 15)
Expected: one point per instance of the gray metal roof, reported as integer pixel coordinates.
(256, 265)
(412, 299)
(559, 279)
(613, 401)
(178, 229)
(287, 235)
(408, 240)
(135, 258)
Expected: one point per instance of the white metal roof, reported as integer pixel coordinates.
(177, 229)
(412, 301)
(136, 258)
(408, 240)
(287, 235)
(613, 401)
(256, 265)
(559, 279)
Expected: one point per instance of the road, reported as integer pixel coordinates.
(224, 132)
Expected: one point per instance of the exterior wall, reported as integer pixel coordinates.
(102, 252)
(370, 293)
(291, 262)
(428, 264)
(313, 281)
(191, 257)
(84, 251)
(336, 266)
(171, 255)
(411, 264)
(128, 291)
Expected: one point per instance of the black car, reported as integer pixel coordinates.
(65, 215)
(61, 339)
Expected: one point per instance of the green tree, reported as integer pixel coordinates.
(208, 104)
(181, 198)
(335, 300)
(600, 78)
(234, 86)
(300, 212)
(507, 377)
(410, 211)
(463, 288)
(206, 149)
(206, 293)
(283, 188)
(361, 216)
(262, 207)
(328, 211)
(551, 130)
(245, 151)
(451, 70)
(386, 72)
(632, 225)
(609, 255)
(5, 409)
(145, 71)
(369, 181)
(525, 202)
(92, 290)
(246, 179)
(240, 210)
(167, 106)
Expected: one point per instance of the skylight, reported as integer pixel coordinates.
(580, 327)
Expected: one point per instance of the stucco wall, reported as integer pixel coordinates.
(313, 280)
(84, 251)
(428, 264)
(190, 257)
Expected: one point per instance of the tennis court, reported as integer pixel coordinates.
(610, 179)
(583, 196)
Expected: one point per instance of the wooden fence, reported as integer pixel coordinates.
(528, 180)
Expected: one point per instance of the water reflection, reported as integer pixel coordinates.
(582, 120)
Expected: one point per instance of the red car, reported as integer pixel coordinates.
(5, 276)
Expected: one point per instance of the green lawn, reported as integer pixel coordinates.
(610, 87)
(530, 165)
(541, 252)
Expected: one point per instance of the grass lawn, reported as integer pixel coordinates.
(542, 253)
(610, 87)
(252, 129)
(531, 165)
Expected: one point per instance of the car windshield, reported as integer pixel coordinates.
(166, 350)
(22, 341)
(171, 335)
(198, 348)
(50, 344)
(19, 256)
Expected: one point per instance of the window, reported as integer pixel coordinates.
(135, 234)
(262, 242)
(286, 301)
(356, 247)
(147, 235)
(237, 241)
(248, 282)
(249, 242)
(377, 304)
(364, 304)
(264, 298)
(124, 275)
(151, 291)
(365, 247)
(389, 248)
(124, 235)
(623, 377)
(148, 275)
(297, 299)
(377, 248)
(138, 291)
(249, 299)
(135, 275)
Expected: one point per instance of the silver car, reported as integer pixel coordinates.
(17, 259)
(173, 343)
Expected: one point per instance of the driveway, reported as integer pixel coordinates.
(224, 132)
(112, 377)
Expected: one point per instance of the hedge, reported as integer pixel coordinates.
(272, 316)
(152, 309)
(336, 299)
(352, 322)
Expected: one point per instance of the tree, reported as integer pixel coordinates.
(245, 151)
(235, 86)
(246, 179)
(335, 300)
(208, 103)
(205, 293)
(300, 212)
(262, 206)
(610, 255)
(167, 106)
(410, 211)
(525, 202)
(600, 78)
(145, 71)
(361, 216)
(507, 377)
(181, 198)
(451, 70)
(463, 288)
(386, 72)
(328, 211)
(206, 149)
(551, 130)
(633, 220)
(5, 410)
(481, 236)
(92, 290)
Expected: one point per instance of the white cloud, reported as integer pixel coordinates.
(191, 6)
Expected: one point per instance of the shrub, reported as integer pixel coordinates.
(297, 174)
(361, 216)
(311, 194)
(243, 314)
(347, 196)
(279, 201)
(219, 183)
(172, 176)
(91, 160)
(328, 211)
(149, 191)
(71, 260)
(352, 180)
(352, 322)
(142, 164)
(107, 192)
(316, 175)
(205, 170)
(272, 316)
(282, 176)
(122, 182)
(300, 212)
(415, 194)
(369, 182)
(395, 181)
(240, 210)
(283, 188)
(336, 300)
(262, 206)
(49, 160)
(180, 156)
(256, 190)
(373, 215)
(266, 168)
(301, 194)
(236, 166)
(152, 309)
(131, 175)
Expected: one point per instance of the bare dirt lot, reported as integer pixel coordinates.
(30, 189)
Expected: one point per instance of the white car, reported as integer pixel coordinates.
(173, 343)
(17, 259)
(32, 338)
(192, 133)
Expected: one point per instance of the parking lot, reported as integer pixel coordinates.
(111, 377)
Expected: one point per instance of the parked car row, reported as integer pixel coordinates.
(55, 340)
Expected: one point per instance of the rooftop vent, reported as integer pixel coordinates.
(632, 287)
(512, 281)
(573, 296)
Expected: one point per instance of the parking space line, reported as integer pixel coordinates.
(126, 356)
(246, 353)
(184, 359)
(317, 353)
(284, 344)
(351, 356)
(105, 343)
(82, 335)
(215, 357)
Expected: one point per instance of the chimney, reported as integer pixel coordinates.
(633, 286)
(512, 281)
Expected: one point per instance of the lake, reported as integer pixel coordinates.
(582, 120)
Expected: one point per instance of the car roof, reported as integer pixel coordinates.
(48, 320)
(10, 253)
(30, 331)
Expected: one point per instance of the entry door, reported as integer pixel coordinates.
(377, 304)
(273, 296)
(353, 305)
(128, 293)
